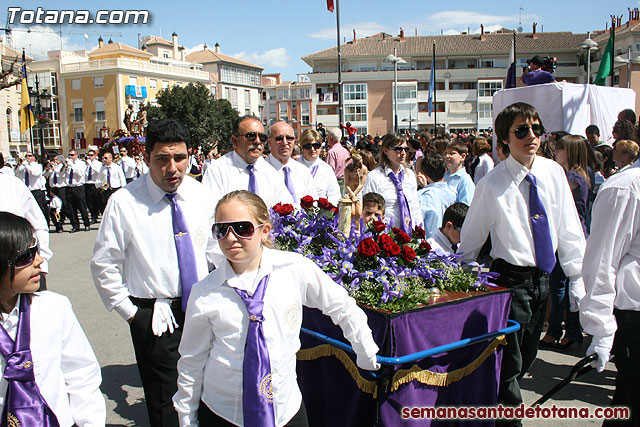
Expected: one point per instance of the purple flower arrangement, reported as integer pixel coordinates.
(380, 266)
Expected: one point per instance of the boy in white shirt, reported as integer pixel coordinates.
(456, 176)
(55, 208)
(447, 237)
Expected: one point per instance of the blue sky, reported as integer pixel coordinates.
(276, 34)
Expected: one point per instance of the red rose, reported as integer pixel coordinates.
(401, 236)
(424, 247)
(407, 253)
(335, 210)
(306, 202)
(385, 238)
(283, 210)
(391, 248)
(378, 226)
(418, 232)
(324, 204)
(368, 248)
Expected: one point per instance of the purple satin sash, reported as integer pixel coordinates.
(314, 171)
(24, 405)
(405, 215)
(257, 394)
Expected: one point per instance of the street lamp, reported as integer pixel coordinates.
(42, 103)
(396, 60)
(588, 45)
(410, 120)
(628, 60)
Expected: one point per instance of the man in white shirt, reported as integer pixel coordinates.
(76, 199)
(93, 197)
(244, 167)
(5, 168)
(610, 311)
(503, 206)
(139, 260)
(30, 172)
(295, 176)
(16, 198)
(324, 179)
(127, 164)
(111, 178)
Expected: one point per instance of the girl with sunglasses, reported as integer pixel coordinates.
(242, 326)
(396, 183)
(51, 375)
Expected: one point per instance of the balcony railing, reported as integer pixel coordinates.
(136, 65)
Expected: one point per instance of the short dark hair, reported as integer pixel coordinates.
(236, 124)
(165, 131)
(628, 114)
(374, 199)
(508, 115)
(1, 160)
(16, 235)
(434, 166)
(592, 130)
(625, 130)
(455, 214)
(458, 146)
(439, 144)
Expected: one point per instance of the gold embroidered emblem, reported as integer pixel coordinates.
(180, 234)
(12, 420)
(265, 388)
(291, 316)
(407, 220)
(26, 365)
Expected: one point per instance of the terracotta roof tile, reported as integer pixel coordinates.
(207, 56)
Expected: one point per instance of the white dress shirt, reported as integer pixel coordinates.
(611, 269)
(439, 241)
(379, 182)
(141, 168)
(7, 170)
(230, 173)
(484, 166)
(78, 169)
(300, 176)
(501, 206)
(94, 166)
(66, 369)
(325, 182)
(16, 198)
(135, 252)
(55, 176)
(35, 171)
(215, 332)
(129, 166)
(116, 178)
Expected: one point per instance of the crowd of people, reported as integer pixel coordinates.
(215, 312)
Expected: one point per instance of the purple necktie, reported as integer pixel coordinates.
(545, 257)
(137, 173)
(26, 177)
(55, 177)
(184, 248)
(122, 164)
(89, 177)
(289, 184)
(257, 395)
(314, 170)
(109, 176)
(253, 185)
(405, 217)
(23, 405)
(70, 176)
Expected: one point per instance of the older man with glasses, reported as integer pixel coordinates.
(244, 168)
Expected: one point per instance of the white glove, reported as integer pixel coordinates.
(368, 363)
(576, 292)
(162, 319)
(601, 346)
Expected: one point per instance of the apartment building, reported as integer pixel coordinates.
(288, 101)
(470, 68)
(10, 136)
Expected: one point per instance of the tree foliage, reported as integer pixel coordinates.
(209, 121)
(9, 75)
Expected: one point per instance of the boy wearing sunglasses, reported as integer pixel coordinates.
(456, 175)
(525, 203)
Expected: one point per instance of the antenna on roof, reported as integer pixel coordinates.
(520, 21)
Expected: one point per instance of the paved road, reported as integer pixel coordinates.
(109, 336)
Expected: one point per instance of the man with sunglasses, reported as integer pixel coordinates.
(32, 174)
(74, 174)
(154, 243)
(526, 204)
(244, 168)
(296, 177)
(94, 199)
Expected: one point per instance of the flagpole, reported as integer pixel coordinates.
(24, 76)
(340, 107)
(613, 48)
(435, 90)
(515, 61)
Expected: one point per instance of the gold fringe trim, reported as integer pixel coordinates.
(444, 379)
(326, 350)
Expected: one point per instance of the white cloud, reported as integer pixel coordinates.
(274, 58)
(363, 29)
(196, 48)
(457, 21)
(41, 40)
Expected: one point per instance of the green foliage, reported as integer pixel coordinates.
(209, 120)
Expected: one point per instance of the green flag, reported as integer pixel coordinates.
(605, 63)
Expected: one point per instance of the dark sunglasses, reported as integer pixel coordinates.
(399, 148)
(26, 258)
(281, 138)
(242, 229)
(522, 131)
(315, 145)
(251, 136)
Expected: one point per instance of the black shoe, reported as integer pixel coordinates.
(73, 230)
(94, 221)
(566, 345)
(547, 344)
(87, 228)
(59, 230)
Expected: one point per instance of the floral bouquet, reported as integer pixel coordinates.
(380, 266)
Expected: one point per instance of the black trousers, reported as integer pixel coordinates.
(94, 200)
(157, 359)
(76, 201)
(41, 200)
(208, 418)
(626, 349)
(528, 307)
